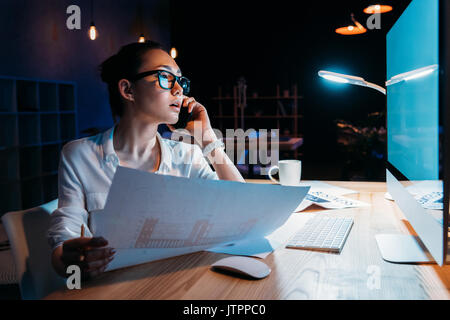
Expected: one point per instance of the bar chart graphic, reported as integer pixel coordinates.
(200, 234)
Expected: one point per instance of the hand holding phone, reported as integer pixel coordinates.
(183, 118)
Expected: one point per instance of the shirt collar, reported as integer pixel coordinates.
(109, 155)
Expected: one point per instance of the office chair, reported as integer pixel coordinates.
(27, 233)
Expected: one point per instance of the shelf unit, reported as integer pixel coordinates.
(278, 111)
(37, 117)
(259, 110)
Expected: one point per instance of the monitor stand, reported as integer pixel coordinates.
(401, 248)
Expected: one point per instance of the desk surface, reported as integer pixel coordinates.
(358, 272)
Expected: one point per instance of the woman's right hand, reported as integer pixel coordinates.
(90, 254)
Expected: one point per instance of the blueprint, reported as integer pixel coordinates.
(150, 216)
(328, 196)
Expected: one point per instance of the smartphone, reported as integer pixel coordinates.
(183, 118)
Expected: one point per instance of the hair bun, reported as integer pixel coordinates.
(109, 69)
(126, 62)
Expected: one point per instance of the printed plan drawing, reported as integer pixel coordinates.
(150, 216)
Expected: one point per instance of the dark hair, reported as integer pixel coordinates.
(123, 65)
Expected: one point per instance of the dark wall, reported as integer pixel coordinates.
(37, 44)
(285, 42)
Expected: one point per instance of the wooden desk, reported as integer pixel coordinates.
(296, 274)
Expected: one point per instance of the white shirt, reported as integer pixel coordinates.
(87, 167)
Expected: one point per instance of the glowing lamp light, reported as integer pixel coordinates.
(173, 53)
(414, 74)
(141, 38)
(93, 34)
(377, 8)
(334, 78)
(419, 75)
(344, 78)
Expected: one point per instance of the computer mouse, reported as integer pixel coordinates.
(243, 266)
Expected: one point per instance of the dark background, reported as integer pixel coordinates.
(269, 43)
(285, 43)
(37, 44)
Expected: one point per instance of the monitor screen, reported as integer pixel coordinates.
(413, 105)
(415, 122)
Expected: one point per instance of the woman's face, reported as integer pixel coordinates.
(150, 98)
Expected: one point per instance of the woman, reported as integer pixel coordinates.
(146, 89)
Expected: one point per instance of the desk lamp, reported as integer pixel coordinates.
(406, 76)
(344, 78)
(414, 74)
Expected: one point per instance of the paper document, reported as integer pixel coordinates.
(149, 216)
(328, 196)
(327, 188)
(433, 200)
(262, 247)
(429, 193)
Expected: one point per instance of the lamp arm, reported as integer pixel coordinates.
(373, 86)
(358, 25)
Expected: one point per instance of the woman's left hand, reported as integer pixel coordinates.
(199, 126)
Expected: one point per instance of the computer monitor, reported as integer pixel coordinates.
(418, 130)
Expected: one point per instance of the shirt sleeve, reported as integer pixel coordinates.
(66, 221)
(200, 167)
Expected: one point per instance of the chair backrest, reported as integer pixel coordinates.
(27, 234)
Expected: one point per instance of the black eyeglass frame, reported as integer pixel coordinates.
(178, 79)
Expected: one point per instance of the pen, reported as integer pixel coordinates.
(82, 235)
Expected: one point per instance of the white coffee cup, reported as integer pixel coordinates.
(289, 171)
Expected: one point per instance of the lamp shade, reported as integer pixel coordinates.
(345, 78)
(358, 28)
(413, 74)
(377, 8)
(350, 30)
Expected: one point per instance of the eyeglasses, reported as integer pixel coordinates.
(166, 79)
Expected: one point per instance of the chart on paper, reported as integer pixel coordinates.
(151, 211)
(160, 235)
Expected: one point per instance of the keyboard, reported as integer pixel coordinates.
(322, 233)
